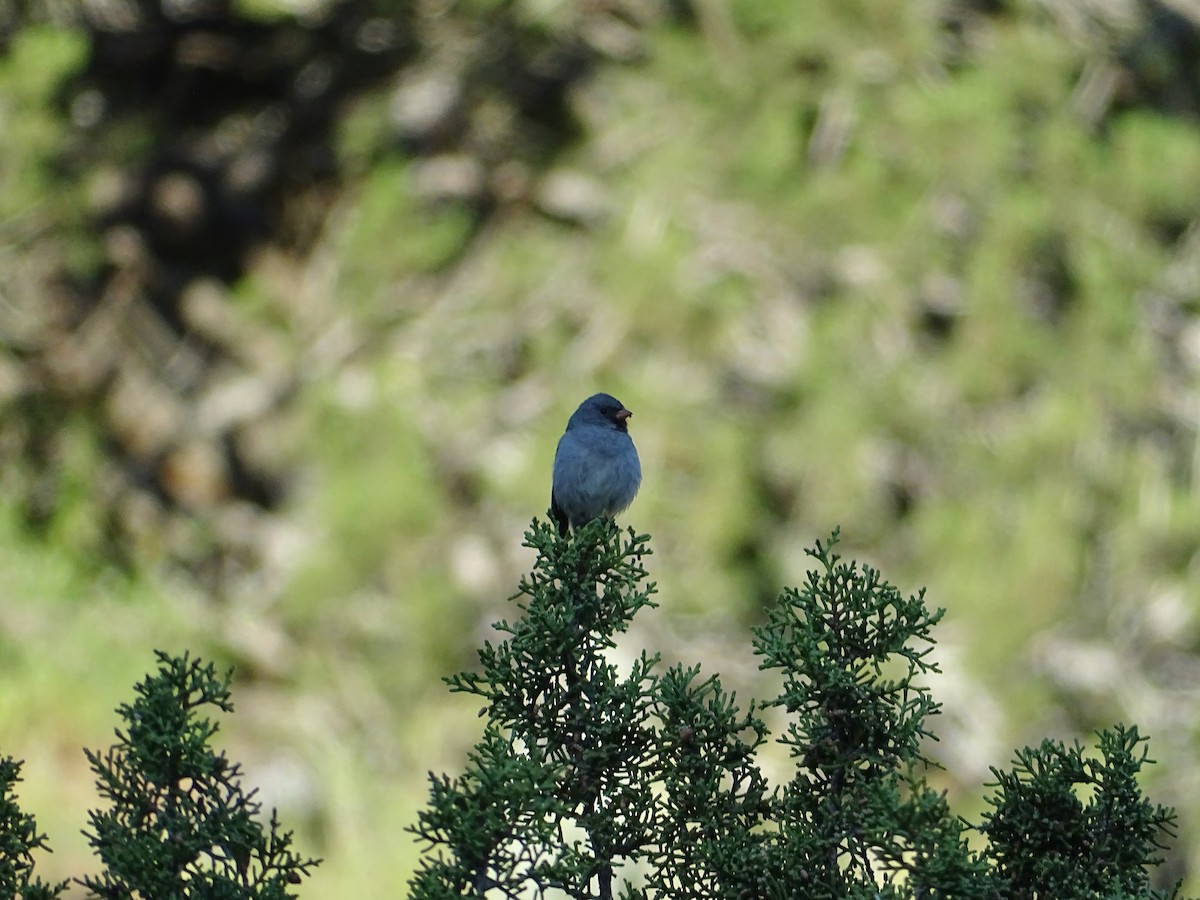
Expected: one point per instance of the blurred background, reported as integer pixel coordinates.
(297, 295)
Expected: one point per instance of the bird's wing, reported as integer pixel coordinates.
(556, 512)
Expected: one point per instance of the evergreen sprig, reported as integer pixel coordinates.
(856, 816)
(834, 642)
(1075, 823)
(178, 823)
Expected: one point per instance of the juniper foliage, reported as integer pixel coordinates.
(593, 782)
(1075, 823)
(19, 838)
(178, 822)
(560, 791)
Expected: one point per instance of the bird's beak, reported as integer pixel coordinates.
(622, 415)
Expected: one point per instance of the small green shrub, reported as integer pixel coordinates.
(178, 824)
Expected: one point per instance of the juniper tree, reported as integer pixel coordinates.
(593, 783)
(179, 825)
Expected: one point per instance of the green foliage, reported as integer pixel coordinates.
(857, 813)
(1075, 825)
(590, 784)
(19, 838)
(179, 824)
(433, 238)
(831, 643)
(568, 745)
(32, 69)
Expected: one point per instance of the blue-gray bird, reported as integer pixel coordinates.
(596, 468)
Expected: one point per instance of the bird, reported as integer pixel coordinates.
(597, 472)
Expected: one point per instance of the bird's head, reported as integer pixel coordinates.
(601, 409)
